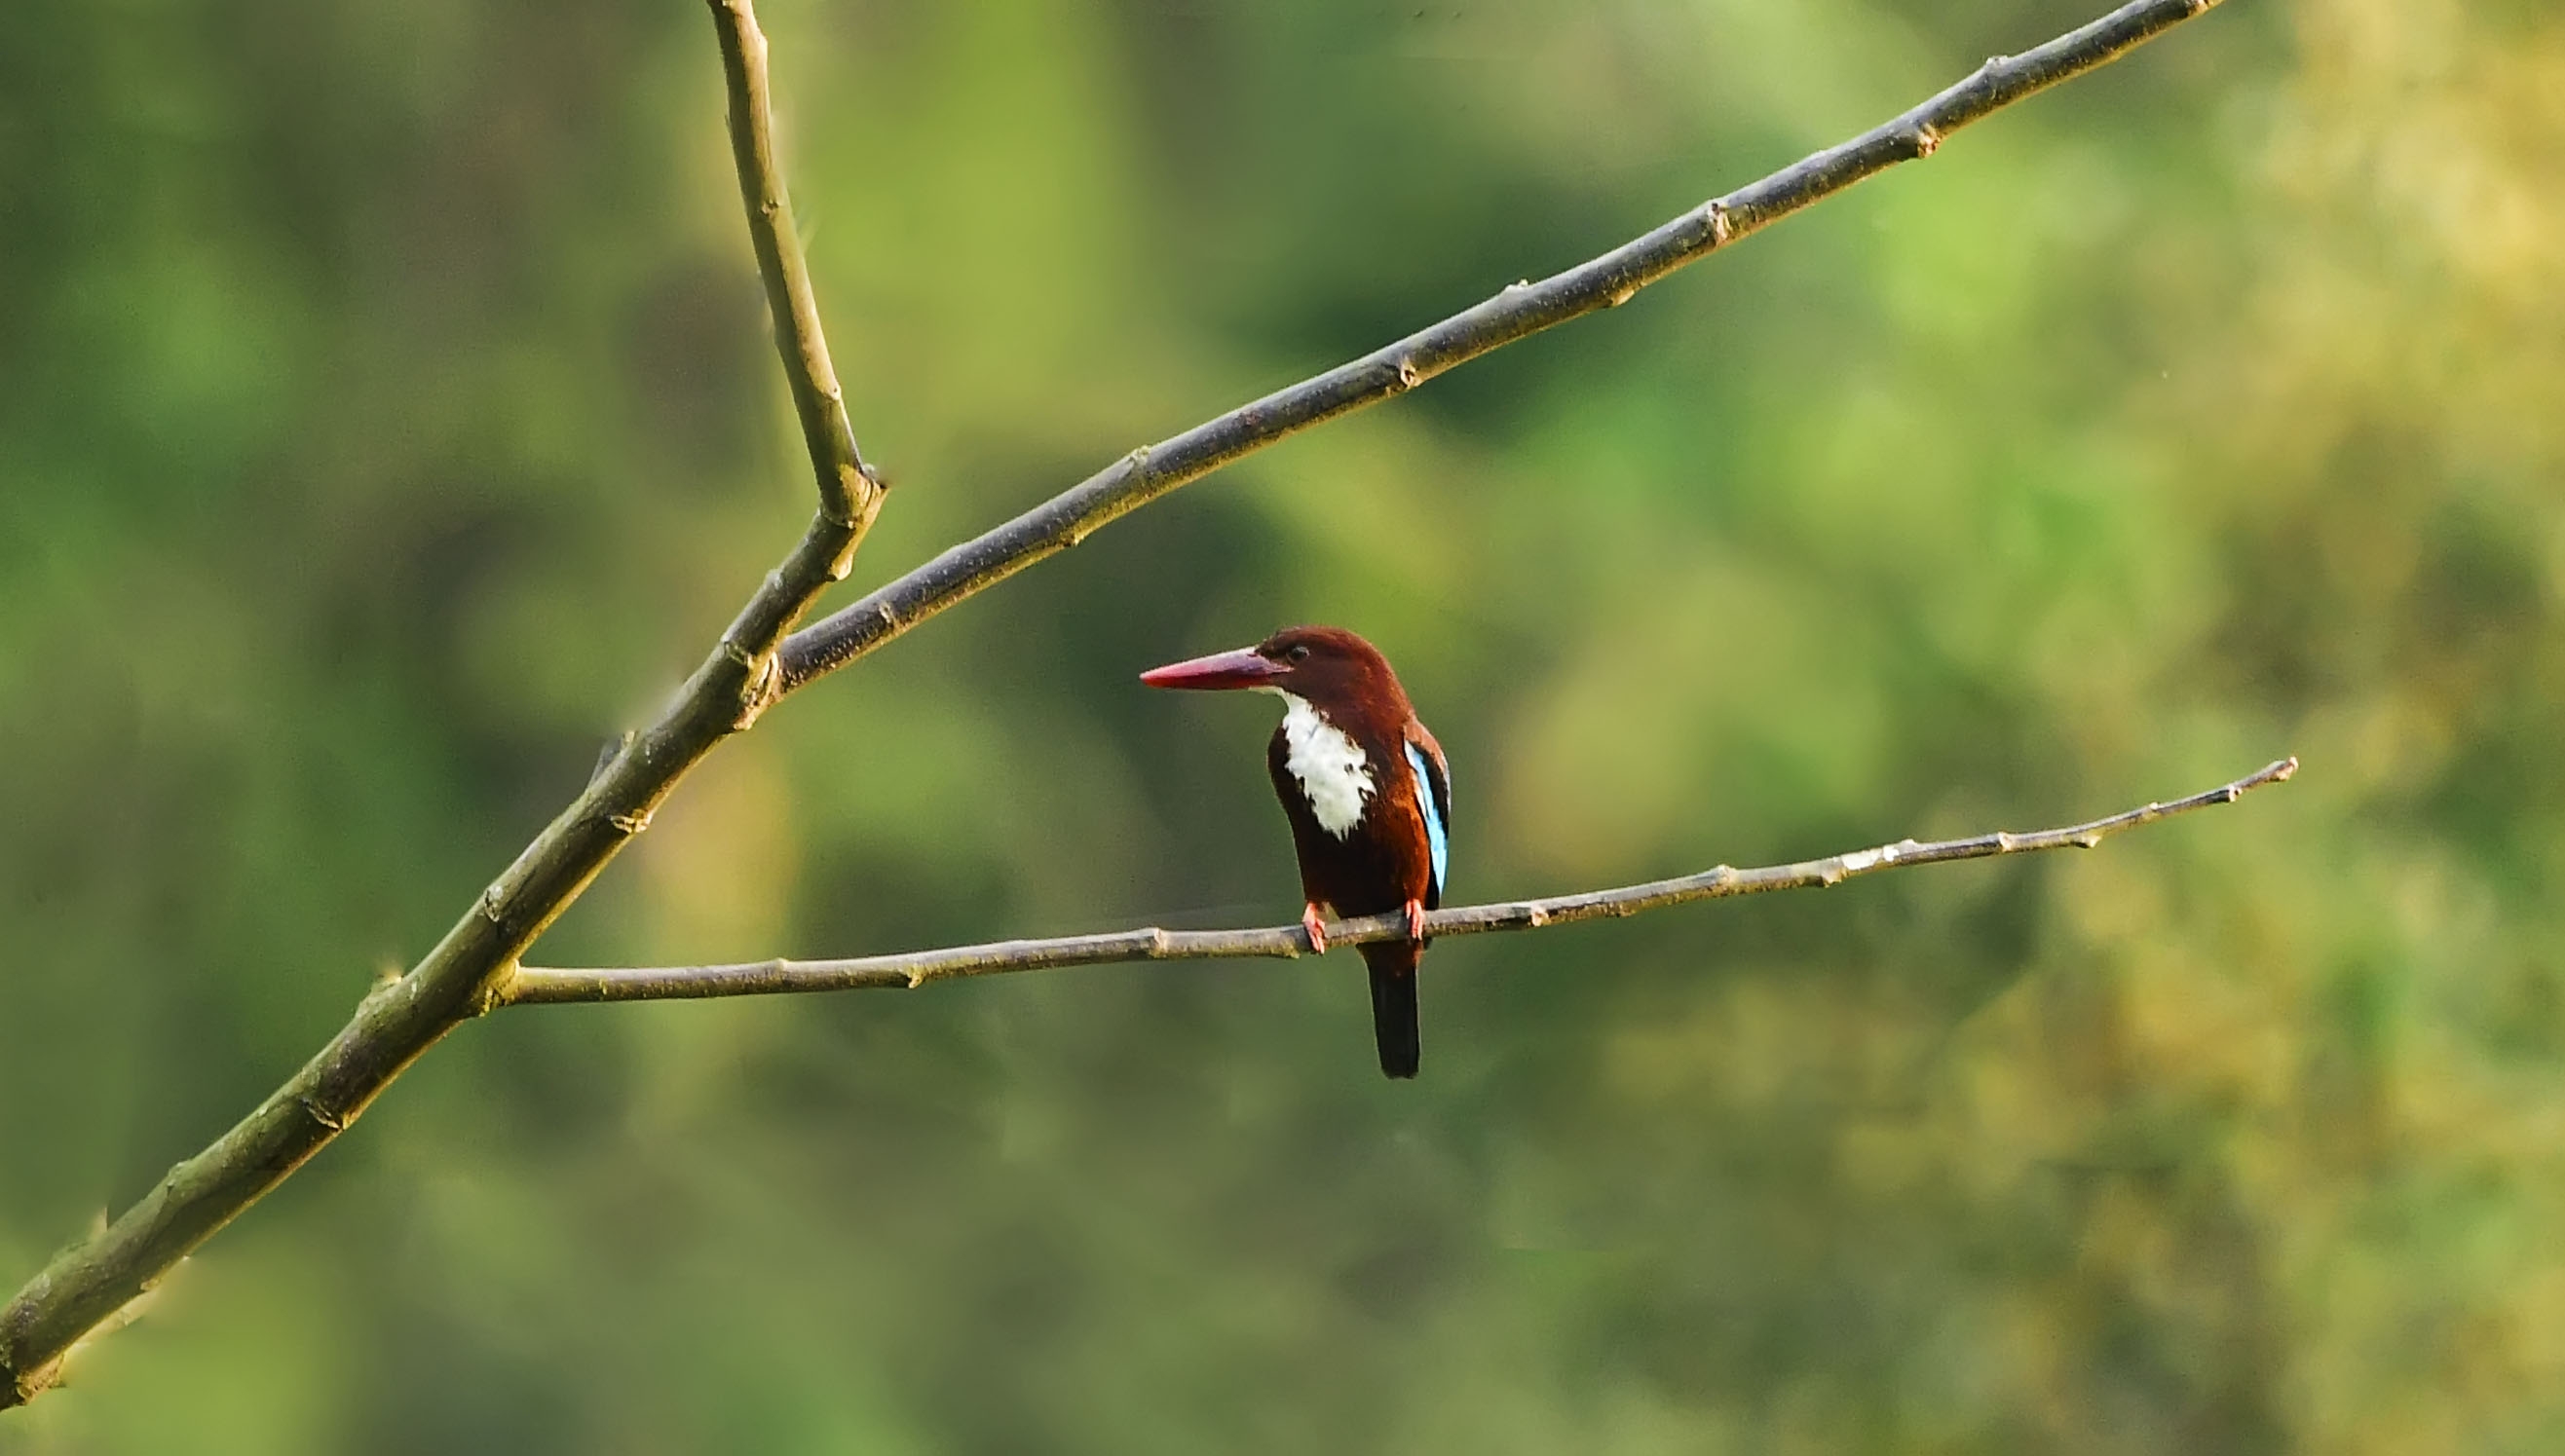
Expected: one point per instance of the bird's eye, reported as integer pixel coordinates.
(1299, 652)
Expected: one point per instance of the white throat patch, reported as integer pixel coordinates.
(1334, 775)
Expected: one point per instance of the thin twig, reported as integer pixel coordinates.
(87, 1285)
(533, 986)
(755, 663)
(1519, 310)
(845, 479)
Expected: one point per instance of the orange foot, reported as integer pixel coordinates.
(1415, 920)
(1317, 929)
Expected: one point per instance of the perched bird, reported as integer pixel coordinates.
(1367, 793)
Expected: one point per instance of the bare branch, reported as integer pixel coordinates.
(533, 986)
(845, 480)
(89, 1282)
(1519, 310)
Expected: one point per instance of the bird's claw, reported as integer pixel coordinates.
(1317, 929)
(1415, 920)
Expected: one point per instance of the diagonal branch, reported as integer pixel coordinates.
(533, 986)
(85, 1285)
(755, 663)
(1520, 309)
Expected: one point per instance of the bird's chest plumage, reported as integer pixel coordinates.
(1328, 769)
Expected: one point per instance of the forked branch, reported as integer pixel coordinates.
(535, 985)
(85, 1285)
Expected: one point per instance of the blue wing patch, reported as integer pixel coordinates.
(1434, 835)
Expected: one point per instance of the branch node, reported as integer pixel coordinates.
(312, 1109)
(1715, 213)
(631, 823)
(1407, 376)
(492, 902)
(2090, 840)
(764, 687)
(492, 994)
(1925, 139)
(862, 507)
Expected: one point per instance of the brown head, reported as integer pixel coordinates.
(1344, 676)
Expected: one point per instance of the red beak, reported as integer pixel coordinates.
(1239, 668)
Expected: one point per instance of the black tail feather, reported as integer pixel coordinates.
(1393, 1005)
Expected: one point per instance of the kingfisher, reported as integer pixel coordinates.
(1366, 790)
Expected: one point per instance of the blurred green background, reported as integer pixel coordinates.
(387, 417)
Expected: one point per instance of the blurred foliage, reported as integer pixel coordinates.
(387, 417)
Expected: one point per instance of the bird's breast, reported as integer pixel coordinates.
(1331, 769)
